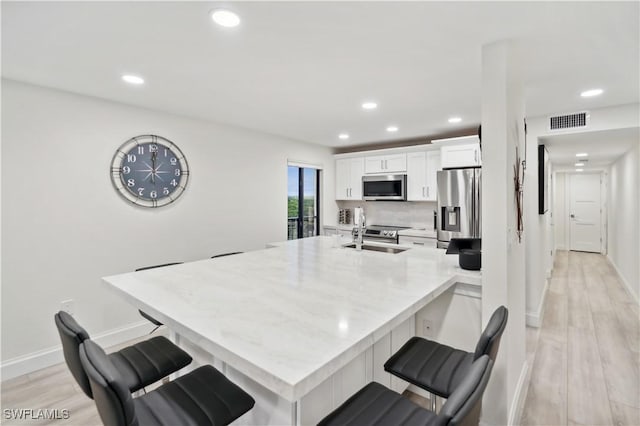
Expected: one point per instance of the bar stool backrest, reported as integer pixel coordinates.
(72, 335)
(113, 398)
(465, 403)
(490, 339)
(226, 254)
(144, 268)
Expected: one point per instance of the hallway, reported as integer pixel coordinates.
(586, 361)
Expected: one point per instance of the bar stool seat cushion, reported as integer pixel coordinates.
(148, 361)
(203, 397)
(140, 364)
(435, 367)
(374, 404)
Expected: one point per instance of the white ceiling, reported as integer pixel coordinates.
(603, 147)
(301, 69)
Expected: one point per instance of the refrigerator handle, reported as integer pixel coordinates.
(476, 202)
(473, 207)
(435, 220)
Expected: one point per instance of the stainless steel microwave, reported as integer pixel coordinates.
(384, 188)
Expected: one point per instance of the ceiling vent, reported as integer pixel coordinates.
(569, 121)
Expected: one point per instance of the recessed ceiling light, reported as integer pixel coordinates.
(590, 93)
(225, 18)
(392, 129)
(579, 164)
(133, 79)
(579, 170)
(455, 120)
(343, 135)
(369, 105)
(582, 154)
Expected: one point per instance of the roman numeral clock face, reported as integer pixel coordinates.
(149, 171)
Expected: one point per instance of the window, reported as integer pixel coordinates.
(303, 198)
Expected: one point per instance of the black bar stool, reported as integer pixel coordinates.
(145, 315)
(201, 397)
(226, 254)
(439, 368)
(140, 365)
(376, 405)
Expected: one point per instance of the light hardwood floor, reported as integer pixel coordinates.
(585, 358)
(586, 354)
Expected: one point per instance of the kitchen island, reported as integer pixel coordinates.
(301, 325)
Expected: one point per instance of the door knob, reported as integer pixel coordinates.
(573, 216)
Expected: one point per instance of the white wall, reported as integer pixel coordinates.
(540, 246)
(64, 226)
(624, 218)
(503, 260)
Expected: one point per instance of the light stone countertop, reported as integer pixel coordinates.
(292, 315)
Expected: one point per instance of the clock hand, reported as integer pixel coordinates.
(153, 166)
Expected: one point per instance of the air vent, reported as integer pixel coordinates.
(570, 121)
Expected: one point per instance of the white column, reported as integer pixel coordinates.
(503, 260)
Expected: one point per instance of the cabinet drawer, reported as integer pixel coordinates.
(417, 241)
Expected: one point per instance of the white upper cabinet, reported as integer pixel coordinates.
(392, 163)
(433, 165)
(416, 176)
(422, 169)
(465, 154)
(349, 173)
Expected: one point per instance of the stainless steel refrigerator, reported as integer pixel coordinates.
(459, 195)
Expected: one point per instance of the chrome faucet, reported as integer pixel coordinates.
(361, 227)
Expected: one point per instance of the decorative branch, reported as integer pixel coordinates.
(518, 176)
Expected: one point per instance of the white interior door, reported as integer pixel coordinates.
(585, 211)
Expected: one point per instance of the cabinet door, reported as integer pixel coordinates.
(343, 168)
(433, 165)
(395, 163)
(374, 164)
(467, 155)
(416, 176)
(399, 337)
(356, 173)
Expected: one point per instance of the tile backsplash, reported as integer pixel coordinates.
(412, 214)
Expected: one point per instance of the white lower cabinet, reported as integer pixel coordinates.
(366, 367)
(343, 233)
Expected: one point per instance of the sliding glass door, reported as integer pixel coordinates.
(303, 198)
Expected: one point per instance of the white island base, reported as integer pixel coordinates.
(273, 409)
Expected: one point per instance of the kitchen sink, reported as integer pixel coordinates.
(392, 250)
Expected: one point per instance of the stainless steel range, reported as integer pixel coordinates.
(381, 234)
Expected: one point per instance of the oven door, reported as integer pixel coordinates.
(384, 188)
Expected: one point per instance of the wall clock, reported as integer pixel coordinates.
(149, 171)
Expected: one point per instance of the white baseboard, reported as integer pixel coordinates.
(534, 319)
(50, 356)
(627, 286)
(517, 404)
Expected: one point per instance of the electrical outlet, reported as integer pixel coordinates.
(427, 328)
(68, 306)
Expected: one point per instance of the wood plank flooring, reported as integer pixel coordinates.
(585, 358)
(586, 362)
